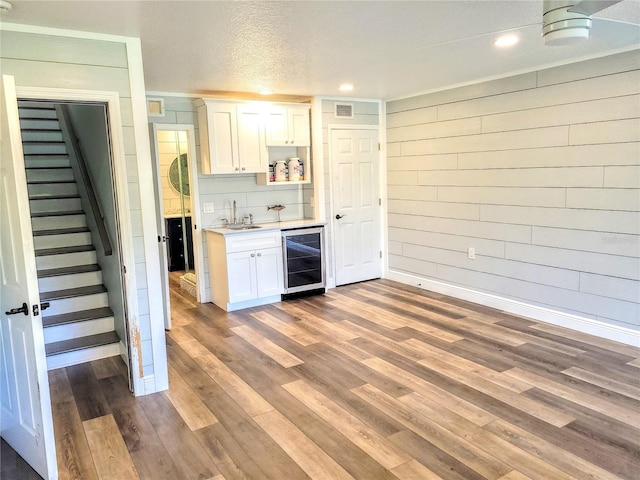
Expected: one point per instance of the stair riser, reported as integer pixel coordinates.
(85, 302)
(50, 175)
(55, 205)
(42, 136)
(66, 240)
(66, 260)
(37, 113)
(63, 221)
(75, 280)
(78, 329)
(82, 356)
(48, 148)
(49, 124)
(52, 189)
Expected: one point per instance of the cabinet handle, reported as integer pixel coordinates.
(253, 254)
(292, 141)
(259, 254)
(286, 141)
(237, 168)
(243, 168)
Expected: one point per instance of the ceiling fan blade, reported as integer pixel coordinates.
(589, 7)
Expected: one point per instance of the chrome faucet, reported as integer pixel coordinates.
(235, 213)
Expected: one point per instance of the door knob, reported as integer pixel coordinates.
(338, 216)
(23, 309)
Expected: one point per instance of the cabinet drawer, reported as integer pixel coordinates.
(241, 242)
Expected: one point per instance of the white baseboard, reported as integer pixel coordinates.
(554, 317)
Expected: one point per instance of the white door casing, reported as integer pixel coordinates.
(26, 421)
(356, 210)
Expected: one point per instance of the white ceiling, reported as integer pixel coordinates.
(387, 49)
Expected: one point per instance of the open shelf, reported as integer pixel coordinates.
(285, 153)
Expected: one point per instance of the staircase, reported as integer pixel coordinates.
(78, 324)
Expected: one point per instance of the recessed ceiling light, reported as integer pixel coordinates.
(506, 41)
(266, 92)
(346, 87)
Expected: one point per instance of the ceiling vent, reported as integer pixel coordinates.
(344, 110)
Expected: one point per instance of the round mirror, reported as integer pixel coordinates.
(178, 171)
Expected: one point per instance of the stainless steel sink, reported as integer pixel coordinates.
(241, 226)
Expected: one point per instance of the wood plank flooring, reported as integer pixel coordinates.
(371, 381)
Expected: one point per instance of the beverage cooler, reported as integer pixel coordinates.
(304, 263)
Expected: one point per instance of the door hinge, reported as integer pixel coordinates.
(124, 269)
(380, 201)
(379, 146)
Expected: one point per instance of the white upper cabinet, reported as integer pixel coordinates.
(218, 137)
(252, 149)
(231, 138)
(288, 126)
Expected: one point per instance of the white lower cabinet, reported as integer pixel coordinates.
(245, 269)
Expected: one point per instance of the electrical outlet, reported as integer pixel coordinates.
(207, 208)
(471, 253)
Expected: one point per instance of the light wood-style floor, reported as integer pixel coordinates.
(371, 381)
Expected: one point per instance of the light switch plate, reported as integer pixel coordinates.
(207, 207)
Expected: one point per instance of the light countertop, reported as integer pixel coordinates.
(287, 225)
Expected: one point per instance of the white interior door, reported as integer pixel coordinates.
(26, 422)
(162, 233)
(356, 205)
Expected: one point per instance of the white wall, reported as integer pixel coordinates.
(540, 173)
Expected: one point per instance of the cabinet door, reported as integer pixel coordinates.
(241, 268)
(252, 149)
(277, 127)
(269, 272)
(222, 129)
(299, 130)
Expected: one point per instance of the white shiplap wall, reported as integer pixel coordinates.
(540, 173)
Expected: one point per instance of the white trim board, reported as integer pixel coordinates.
(148, 207)
(554, 317)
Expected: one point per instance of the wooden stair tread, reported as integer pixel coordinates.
(46, 155)
(60, 231)
(72, 292)
(81, 343)
(56, 214)
(47, 168)
(47, 182)
(41, 129)
(43, 142)
(55, 272)
(73, 317)
(43, 252)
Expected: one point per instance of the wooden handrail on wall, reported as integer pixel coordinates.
(75, 153)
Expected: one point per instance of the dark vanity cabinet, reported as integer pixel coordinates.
(175, 243)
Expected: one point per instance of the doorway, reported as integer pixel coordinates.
(356, 213)
(178, 215)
